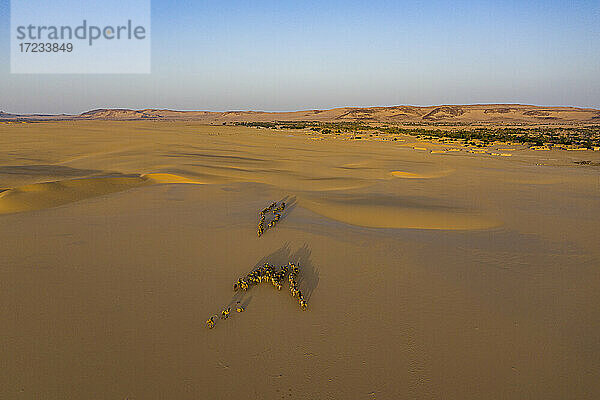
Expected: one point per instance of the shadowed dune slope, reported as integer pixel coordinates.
(395, 212)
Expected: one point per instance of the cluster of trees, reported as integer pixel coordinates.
(277, 124)
(588, 136)
(329, 127)
(580, 136)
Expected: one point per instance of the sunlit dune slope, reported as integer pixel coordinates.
(51, 194)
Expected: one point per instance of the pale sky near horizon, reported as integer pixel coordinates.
(289, 55)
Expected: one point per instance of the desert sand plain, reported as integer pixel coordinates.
(429, 273)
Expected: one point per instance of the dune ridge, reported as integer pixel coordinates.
(397, 213)
(51, 194)
(423, 175)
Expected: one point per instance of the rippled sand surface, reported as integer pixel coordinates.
(428, 274)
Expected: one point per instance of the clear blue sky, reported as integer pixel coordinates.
(288, 55)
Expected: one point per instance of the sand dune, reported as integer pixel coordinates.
(161, 177)
(425, 175)
(51, 194)
(428, 276)
(396, 212)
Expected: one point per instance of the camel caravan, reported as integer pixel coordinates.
(276, 216)
(267, 273)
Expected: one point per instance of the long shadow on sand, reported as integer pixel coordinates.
(309, 274)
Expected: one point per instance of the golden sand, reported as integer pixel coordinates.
(460, 276)
(423, 175)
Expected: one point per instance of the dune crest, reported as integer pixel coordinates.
(51, 194)
(424, 175)
(395, 213)
(161, 177)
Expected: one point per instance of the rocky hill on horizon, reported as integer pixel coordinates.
(443, 114)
